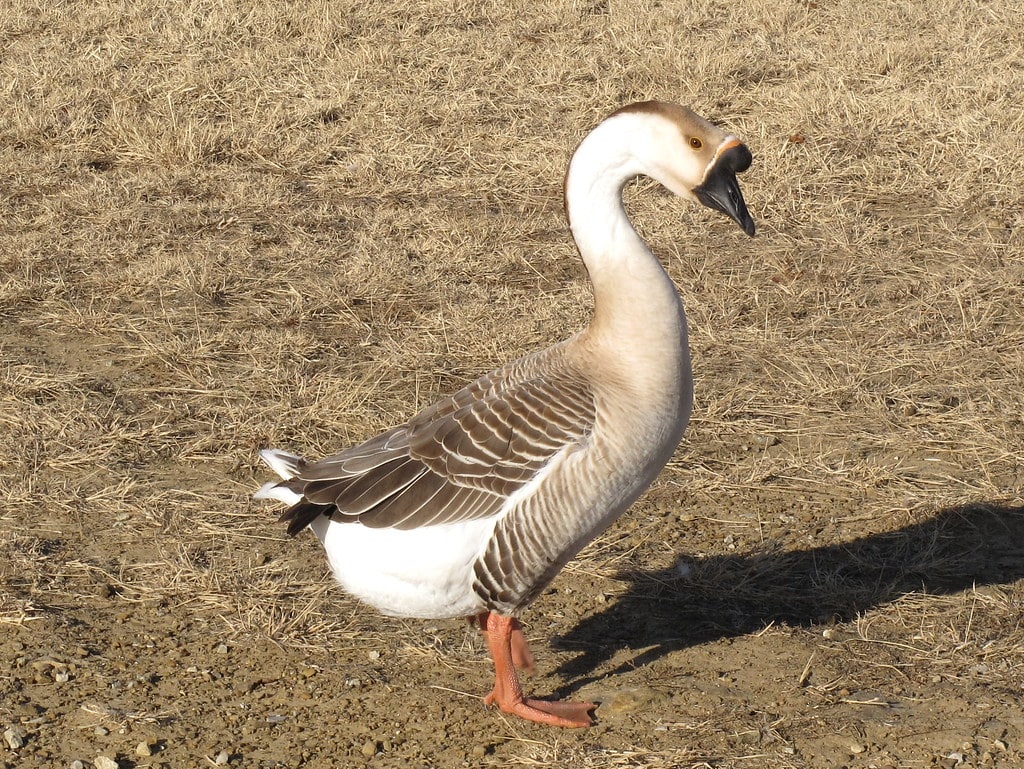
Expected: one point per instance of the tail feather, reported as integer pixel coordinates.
(300, 512)
(280, 492)
(281, 462)
(300, 515)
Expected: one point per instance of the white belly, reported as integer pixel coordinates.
(425, 572)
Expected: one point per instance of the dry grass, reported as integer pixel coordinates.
(225, 228)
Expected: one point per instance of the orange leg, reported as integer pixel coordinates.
(501, 632)
(522, 657)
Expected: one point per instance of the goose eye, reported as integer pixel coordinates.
(696, 143)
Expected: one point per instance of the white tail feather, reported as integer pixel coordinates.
(281, 462)
(272, 491)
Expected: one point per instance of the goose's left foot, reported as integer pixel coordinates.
(507, 694)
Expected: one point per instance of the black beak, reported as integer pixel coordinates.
(721, 191)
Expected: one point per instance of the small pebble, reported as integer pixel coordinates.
(14, 737)
(143, 749)
(374, 655)
(101, 731)
(77, 764)
(104, 762)
(999, 745)
(369, 748)
(749, 737)
(856, 748)
(222, 758)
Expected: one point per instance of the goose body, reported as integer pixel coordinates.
(473, 506)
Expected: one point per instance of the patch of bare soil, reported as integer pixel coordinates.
(225, 227)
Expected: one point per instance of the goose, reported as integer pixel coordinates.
(473, 506)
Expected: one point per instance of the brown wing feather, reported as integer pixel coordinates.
(359, 459)
(361, 493)
(458, 459)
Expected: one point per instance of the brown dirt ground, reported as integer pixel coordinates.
(223, 228)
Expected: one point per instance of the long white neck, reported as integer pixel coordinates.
(637, 310)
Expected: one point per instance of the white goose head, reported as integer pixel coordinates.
(669, 143)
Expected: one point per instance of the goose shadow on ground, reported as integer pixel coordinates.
(730, 595)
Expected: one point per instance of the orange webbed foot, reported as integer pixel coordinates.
(504, 635)
(570, 715)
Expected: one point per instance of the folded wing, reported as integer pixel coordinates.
(459, 459)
